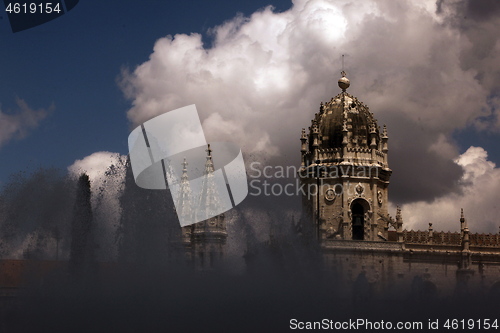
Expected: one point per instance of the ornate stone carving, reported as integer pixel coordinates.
(331, 232)
(330, 194)
(368, 216)
(360, 189)
(389, 221)
(379, 197)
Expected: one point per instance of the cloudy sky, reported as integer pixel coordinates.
(72, 89)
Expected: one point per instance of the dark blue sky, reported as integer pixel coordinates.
(70, 66)
(72, 63)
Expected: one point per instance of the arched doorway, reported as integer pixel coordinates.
(358, 221)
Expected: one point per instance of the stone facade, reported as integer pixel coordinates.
(344, 166)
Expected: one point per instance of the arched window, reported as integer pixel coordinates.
(358, 221)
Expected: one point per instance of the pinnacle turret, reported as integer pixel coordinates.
(209, 235)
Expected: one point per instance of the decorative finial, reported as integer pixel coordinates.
(322, 107)
(304, 135)
(209, 151)
(373, 128)
(344, 82)
(399, 216)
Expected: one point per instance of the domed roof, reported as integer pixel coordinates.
(345, 112)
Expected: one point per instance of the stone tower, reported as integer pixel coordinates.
(205, 241)
(345, 172)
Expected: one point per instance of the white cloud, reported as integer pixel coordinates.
(94, 165)
(17, 125)
(480, 186)
(263, 77)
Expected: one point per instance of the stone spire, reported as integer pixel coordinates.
(184, 204)
(209, 236)
(465, 270)
(465, 237)
(315, 139)
(399, 224)
(385, 149)
(431, 234)
(184, 198)
(209, 198)
(462, 223)
(399, 216)
(303, 149)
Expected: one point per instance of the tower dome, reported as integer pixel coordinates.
(345, 112)
(344, 159)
